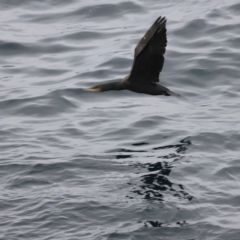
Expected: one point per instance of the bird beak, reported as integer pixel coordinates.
(92, 89)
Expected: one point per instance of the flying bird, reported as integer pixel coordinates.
(147, 65)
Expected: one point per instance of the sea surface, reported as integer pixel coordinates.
(118, 165)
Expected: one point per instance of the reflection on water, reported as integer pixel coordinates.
(162, 224)
(156, 184)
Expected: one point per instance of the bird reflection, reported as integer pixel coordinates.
(160, 224)
(156, 185)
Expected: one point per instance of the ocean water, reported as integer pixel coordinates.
(118, 165)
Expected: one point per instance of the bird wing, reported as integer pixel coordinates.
(148, 57)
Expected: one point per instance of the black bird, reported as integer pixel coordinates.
(147, 65)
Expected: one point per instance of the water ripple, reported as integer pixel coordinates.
(118, 165)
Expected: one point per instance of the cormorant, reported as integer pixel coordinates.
(147, 65)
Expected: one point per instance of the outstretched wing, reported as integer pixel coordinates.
(148, 57)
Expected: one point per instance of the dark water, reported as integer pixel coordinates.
(118, 165)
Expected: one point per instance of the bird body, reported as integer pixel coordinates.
(147, 65)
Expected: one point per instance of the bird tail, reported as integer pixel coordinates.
(174, 94)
